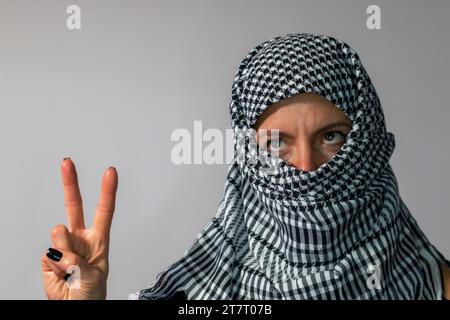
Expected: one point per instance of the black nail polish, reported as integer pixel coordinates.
(67, 276)
(54, 254)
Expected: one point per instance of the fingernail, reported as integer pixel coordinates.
(114, 168)
(54, 254)
(66, 158)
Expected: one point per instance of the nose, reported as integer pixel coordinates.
(306, 158)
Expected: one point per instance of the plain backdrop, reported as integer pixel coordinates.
(113, 92)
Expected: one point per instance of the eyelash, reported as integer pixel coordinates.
(326, 133)
(338, 132)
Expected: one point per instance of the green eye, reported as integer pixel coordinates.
(334, 137)
(276, 144)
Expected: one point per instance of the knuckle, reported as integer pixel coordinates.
(73, 261)
(57, 230)
(73, 203)
(103, 208)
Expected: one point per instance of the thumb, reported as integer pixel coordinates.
(61, 238)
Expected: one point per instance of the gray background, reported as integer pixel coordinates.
(113, 92)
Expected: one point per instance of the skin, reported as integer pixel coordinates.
(311, 130)
(304, 143)
(85, 248)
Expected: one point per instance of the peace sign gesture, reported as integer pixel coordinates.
(76, 267)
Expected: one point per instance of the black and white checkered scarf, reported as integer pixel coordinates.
(338, 232)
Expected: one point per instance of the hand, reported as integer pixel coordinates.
(446, 282)
(80, 255)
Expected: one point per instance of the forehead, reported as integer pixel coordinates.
(310, 108)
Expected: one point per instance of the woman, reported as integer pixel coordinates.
(311, 207)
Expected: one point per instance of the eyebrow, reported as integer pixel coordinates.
(334, 124)
(322, 129)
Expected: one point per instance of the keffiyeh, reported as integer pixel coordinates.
(323, 234)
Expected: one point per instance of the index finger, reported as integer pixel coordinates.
(72, 195)
(106, 203)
